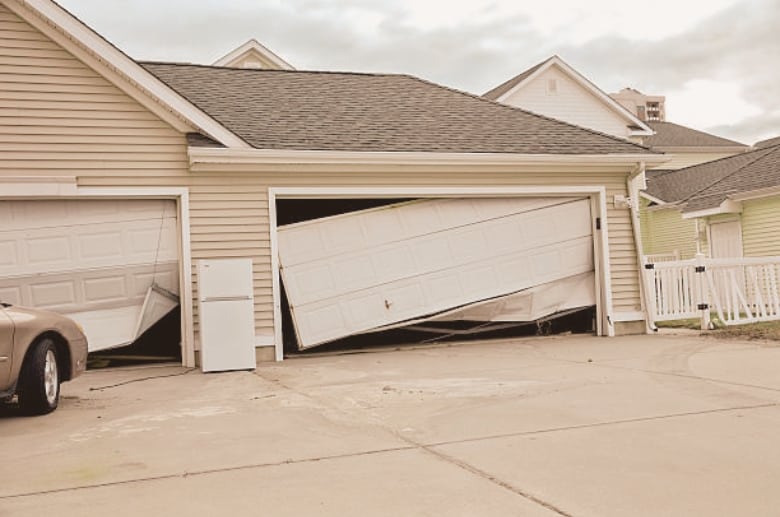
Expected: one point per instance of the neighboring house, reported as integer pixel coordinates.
(554, 89)
(110, 170)
(723, 208)
(253, 54)
(646, 107)
(767, 143)
(687, 146)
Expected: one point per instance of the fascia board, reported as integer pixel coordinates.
(264, 156)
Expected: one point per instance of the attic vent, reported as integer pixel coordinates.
(552, 86)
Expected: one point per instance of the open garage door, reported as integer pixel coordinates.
(400, 264)
(110, 265)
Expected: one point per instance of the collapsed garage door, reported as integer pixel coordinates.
(110, 265)
(499, 259)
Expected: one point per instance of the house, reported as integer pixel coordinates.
(554, 89)
(723, 208)
(646, 107)
(253, 54)
(115, 174)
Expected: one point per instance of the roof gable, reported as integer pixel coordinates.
(99, 54)
(293, 110)
(253, 54)
(523, 80)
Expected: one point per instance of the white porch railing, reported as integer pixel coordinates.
(739, 290)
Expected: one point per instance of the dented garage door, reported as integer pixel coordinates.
(92, 260)
(362, 271)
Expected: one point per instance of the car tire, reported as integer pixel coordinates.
(39, 382)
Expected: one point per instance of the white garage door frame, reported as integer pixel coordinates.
(596, 194)
(58, 188)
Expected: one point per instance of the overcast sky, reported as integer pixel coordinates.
(717, 61)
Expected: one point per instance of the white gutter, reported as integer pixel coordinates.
(268, 156)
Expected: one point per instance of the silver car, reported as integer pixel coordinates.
(38, 351)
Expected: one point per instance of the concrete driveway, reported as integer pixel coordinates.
(578, 426)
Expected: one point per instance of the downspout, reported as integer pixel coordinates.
(633, 193)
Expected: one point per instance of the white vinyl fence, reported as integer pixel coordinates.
(739, 290)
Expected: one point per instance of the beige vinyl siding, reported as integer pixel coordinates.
(224, 225)
(761, 227)
(665, 231)
(59, 117)
(571, 103)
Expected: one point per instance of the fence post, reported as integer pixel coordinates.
(702, 298)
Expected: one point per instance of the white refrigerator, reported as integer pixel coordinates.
(227, 315)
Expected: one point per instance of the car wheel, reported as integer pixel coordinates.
(39, 382)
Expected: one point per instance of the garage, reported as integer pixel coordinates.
(451, 265)
(112, 265)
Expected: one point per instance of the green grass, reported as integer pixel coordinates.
(766, 330)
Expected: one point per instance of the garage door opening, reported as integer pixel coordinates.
(368, 272)
(110, 265)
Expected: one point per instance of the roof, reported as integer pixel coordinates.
(501, 92)
(295, 110)
(668, 134)
(767, 143)
(707, 185)
(503, 88)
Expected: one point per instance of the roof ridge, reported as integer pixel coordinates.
(763, 153)
(545, 117)
(518, 77)
(267, 70)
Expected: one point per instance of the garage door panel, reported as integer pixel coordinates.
(92, 259)
(453, 247)
(302, 242)
(436, 292)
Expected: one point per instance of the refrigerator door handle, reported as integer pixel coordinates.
(226, 298)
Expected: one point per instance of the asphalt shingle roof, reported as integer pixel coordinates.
(275, 109)
(707, 185)
(504, 87)
(668, 134)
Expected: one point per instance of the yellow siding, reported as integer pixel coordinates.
(58, 117)
(665, 231)
(761, 227)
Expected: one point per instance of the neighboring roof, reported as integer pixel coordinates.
(707, 185)
(668, 134)
(292, 110)
(253, 49)
(769, 142)
(74, 35)
(519, 81)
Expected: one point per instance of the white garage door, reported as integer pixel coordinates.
(94, 260)
(355, 272)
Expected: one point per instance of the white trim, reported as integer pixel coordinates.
(181, 196)
(61, 20)
(33, 186)
(210, 155)
(726, 207)
(756, 194)
(603, 310)
(658, 201)
(589, 86)
(246, 48)
(628, 316)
